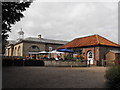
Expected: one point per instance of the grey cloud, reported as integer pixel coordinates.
(69, 20)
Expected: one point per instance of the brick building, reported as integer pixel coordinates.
(94, 47)
(112, 55)
(23, 47)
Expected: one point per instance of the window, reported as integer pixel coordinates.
(8, 51)
(34, 47)
(19, 51)
(50, 48)
(15, 50)
(78, 51)
(90, 54)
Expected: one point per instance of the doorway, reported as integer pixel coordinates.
(90, 57)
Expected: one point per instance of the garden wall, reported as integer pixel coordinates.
(13, 61)
(64, 63)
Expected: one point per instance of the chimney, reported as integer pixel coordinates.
(39, 36)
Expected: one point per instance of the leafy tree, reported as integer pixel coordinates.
(11, 13)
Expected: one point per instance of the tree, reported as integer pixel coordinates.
(11, 13)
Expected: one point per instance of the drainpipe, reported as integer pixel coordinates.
(94, 56)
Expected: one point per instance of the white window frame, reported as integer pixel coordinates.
(50, 48)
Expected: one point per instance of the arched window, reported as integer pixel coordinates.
(19, 51)
(8, 51)
(89, 54)
(34, 48)
(15, 50)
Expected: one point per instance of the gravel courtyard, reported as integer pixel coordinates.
(54, 77)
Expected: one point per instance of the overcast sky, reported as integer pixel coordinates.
(69, 20)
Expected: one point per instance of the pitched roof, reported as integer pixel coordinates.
(10, 42)
(115, 51)
(43, 40)
(89, 41)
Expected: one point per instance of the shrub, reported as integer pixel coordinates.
(78, 60)
(81, 57)
(77, 56)
(34, 63)
(113, 77)
(117, 58)
(18, 62)
(118, 62)
(7, 62)
(69, 58)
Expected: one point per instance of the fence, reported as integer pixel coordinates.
(110, 62)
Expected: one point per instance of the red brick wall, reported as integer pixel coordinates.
(110, 56)
(99, 52)
(104, 50)
(95, 51)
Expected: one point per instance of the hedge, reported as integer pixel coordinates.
(113, 77)
(20, 62)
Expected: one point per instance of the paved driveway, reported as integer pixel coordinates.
(53, 77)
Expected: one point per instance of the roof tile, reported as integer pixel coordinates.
(89, 41)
